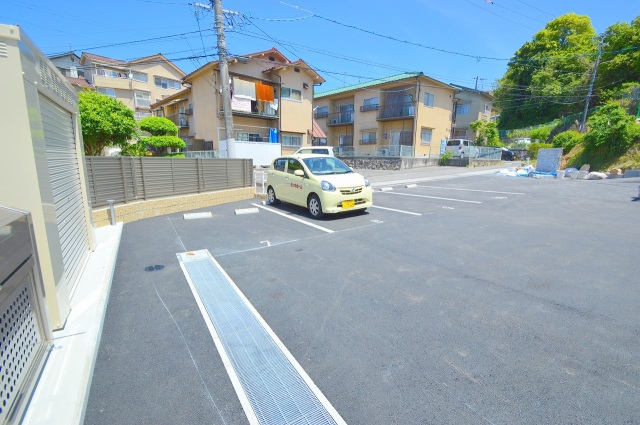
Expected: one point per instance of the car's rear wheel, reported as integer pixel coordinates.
(315, 206)
(271, 196)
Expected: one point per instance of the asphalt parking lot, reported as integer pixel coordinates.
(482, 299)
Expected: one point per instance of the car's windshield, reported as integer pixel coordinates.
(326, 165)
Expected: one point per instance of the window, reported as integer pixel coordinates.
(108, 92)
(294, 165)
(428, 99)
(463, 109)
(369, 138)
(291, 140)
(143, 99)
(139, 76)
(370, 104)
(322, 111)
(291, 94)
(425, 135)
(279, 164)
(460, 133)
(487, 108)
(164, 83)
(248, 137)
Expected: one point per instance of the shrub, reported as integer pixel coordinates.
(567, 140)
(158, 126)
(541, 133)
(611, 131)
(535, 147)
(160, 142)
(445, 158)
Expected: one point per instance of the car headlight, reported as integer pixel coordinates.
(325, 185)
(366, 183)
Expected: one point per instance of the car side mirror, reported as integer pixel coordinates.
(298, 173)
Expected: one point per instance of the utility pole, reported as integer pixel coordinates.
(224, 77)
(478, 78)
(593, 79)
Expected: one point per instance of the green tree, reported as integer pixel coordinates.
(163, 134)
(611, 131)
(546, 77)
(105, 122)
(486, 133)
(620, 56)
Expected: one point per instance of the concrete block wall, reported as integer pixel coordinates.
(144, 209)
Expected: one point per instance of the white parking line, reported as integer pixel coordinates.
(392, 209)
(473, 190)
(324, 229)
(433, 197)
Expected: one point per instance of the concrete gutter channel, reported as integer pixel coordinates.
(62, 393)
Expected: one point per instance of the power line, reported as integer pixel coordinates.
(499, 16)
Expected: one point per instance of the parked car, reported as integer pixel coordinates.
(321, 150)
(321, 183)
(508, 155)
(462, 148)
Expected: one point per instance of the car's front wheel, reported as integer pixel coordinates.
(271, 196)
(315, 206)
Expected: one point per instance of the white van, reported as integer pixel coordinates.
(462, 148)
(316, 150)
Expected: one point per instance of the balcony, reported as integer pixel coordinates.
(392, 111)
(257, 109)
(372, 107)
(340, 118)
(179, 119)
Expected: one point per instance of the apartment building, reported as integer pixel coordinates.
(470, 105)
(401, 115)
(271, 106)
(137, 83)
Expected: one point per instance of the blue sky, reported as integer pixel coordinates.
(461, 39)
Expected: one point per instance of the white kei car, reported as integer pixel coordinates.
(321, 183)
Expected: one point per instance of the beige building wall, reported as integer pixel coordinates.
(126, 87)
(205, 98)
(477, 102)
(436, 118)
(295, 117)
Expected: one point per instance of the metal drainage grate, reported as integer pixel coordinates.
(276, 391)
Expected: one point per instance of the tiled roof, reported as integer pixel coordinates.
(471, 90)
(379, 81)
(103, 59)
(80, 82)
(317, 131)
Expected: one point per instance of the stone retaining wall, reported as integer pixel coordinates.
(386, 163)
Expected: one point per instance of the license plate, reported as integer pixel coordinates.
(348, 204)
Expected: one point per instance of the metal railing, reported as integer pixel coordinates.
(179, 119)
(396, 110)
(489, 153)
(128, 179)
(201, 154)
(338, 118)
(397, 151)
(260, 179)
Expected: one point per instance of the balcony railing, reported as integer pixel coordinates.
(258, 110)
(340, 118)
(373, 107)
(346, 140)
(179, 119)
(321, 114)
(391, 111)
